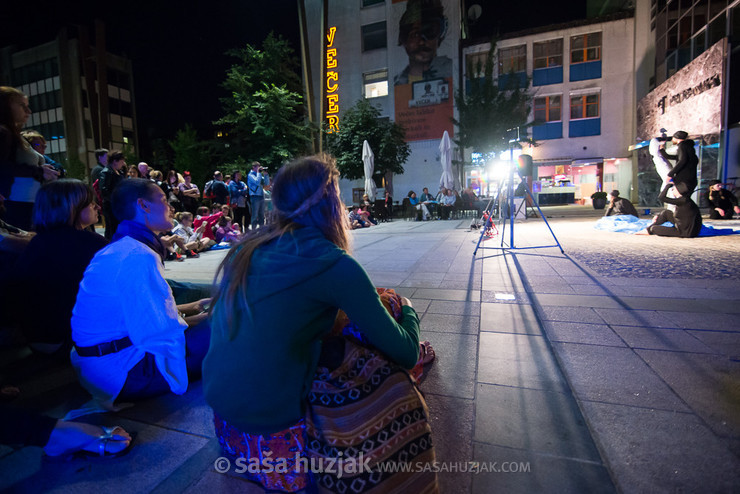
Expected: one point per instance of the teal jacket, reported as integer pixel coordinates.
(259, 380)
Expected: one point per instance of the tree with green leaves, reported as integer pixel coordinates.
(264, 109)
(486, 112)
(387, 140)
(191, 154)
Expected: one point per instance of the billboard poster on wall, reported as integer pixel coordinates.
(422, 34)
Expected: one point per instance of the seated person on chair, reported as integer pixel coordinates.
(420, 207)
(447, 204)
(620, 206)
(130, 339)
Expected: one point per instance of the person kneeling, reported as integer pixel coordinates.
(131, 340)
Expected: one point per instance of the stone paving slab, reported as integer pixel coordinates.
(546, 473)
(641, 394)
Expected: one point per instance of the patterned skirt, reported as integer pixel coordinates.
(366, 429)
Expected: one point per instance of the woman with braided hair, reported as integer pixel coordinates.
(279, 293)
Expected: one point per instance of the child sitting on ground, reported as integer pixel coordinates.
(226, 232)
(193, 238)
(357, 219)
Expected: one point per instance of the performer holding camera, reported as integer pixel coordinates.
(255, 181)
(684, 171)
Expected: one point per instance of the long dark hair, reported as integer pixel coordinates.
(304, 193)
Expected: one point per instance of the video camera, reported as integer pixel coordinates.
(664, 137)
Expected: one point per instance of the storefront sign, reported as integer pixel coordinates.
(332, 84)
(690, 100)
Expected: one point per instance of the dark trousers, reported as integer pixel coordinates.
(111, 223)
(145, 380)
(714, 214)
(240, 216)
(664, 231)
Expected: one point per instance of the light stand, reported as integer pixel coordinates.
(512, 211)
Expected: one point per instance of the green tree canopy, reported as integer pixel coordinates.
(486, 112)
(387, 140)
(264, 109)
(191, 154)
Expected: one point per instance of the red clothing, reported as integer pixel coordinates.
(211, 221)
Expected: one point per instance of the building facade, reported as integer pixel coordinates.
(62, 84)
(688, 79)
(372, 50)
(580, 79)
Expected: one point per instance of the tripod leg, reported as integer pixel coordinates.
(546, 222)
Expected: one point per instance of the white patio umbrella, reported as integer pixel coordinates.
(447, 180)
(368, 158)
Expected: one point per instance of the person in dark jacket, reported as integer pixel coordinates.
(109, 178)
(686, 220)
(722, 202)
(62, 212)
(684, 171)
(620, 206)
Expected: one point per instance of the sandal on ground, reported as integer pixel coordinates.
(96, 448)
(426, 353)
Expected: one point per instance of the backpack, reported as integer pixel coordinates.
(208, 190)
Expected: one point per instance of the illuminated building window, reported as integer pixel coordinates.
(548, 109)
(585, 48)
(584, 106)
(374, 36)
(375, 84)
(548, 54)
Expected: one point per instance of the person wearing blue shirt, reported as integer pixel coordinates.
(238, 197)
(255, 181)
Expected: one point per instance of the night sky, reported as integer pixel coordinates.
(178, 48)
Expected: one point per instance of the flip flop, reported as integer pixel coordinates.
(102, 440)
(426, 353)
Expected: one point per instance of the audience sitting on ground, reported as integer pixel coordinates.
(263, 358)
(63, 211)
(210, 220)
(226, 231)
(447, 204)
(368, 208)
(357, 219)
(721, 201)
(193, 238)
(131, 340)
(620, 206)
(421, 208)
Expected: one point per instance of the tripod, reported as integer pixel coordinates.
(512, 214)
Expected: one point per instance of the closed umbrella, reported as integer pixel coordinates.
(447, 180)
(368, 159)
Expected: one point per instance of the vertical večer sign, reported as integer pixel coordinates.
(332, 84)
